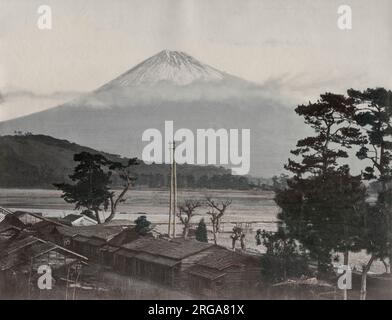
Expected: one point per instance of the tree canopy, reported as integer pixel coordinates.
(92, 178)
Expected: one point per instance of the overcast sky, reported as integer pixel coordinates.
(294, 46)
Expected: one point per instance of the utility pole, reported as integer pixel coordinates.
(171, 188)
(174, 189)
(173, 192)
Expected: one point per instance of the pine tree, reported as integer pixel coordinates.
(323, 203)
(90, 189)
(374, 115)
(201, 231)
(143, 226)
(92, 180)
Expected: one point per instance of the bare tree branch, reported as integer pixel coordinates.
(185, 213)
(216, 212)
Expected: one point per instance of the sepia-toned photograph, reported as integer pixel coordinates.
(195, 150)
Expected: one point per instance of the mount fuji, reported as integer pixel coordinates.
(169, 76)
(170, 85)
(172, 66)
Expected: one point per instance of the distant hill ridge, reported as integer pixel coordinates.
(38, 161)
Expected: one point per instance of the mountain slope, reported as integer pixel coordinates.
(34, 161)
(170, 86)
(169, 76)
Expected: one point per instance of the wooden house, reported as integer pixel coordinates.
(10, 219)
(8, 231)
(79, 220)
(127, 235)
(28, 218)
(225, 274)
(88, 240)
(158, 260)
(10, 227)
(79, 244)
(33, 251)
(46, 229)
(21, 259)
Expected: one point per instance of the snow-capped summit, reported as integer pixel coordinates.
(168, 76)
(174, 67)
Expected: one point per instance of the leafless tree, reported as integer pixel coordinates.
(216, 212)
(185, 213)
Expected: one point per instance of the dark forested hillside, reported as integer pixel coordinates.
(38, 161)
